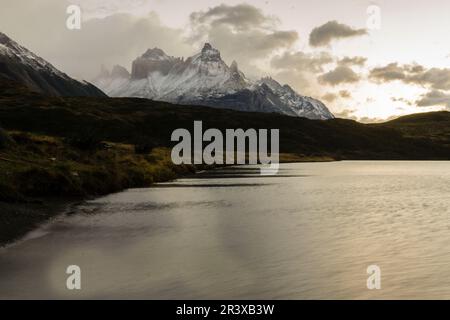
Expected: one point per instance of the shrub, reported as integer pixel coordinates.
(47, 182)
(22, 138)
(144, 147)
(9, 194)
(84, 142)
(5, 139)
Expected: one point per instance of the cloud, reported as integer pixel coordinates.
(434, 78)
(301, 61)
(389, 72)
(345, 94)
(240, 17)
(434, 98)
(352, 61)
(340, 74)
(116, 39)
(329, 97)
(242, 32)
(401, 99)
(123, 38)
(332, 30)
(103, 8)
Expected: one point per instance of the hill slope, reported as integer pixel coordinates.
(21, 65)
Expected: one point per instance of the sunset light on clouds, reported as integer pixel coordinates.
(325, 49)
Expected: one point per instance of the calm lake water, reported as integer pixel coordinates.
(308, 233)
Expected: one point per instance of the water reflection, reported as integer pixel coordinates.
(308, 233)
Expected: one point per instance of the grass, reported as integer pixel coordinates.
(41, 166)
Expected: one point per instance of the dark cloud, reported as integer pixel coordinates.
(325, 34)
(302, 61)
(329, 97)
(388, 73)
(341, 74)
(406, 101)
(434, 98)
(434, 78)
(240, 17)
(353, 61)
(242, 32)
(345, 94)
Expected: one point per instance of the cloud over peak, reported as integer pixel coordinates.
(301, 61)
(243, 32)
(240, 17)
(332, 30)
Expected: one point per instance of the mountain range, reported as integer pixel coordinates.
(205, 79)
(19, 64)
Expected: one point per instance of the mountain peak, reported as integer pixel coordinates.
(207, 46)
(234, 66)
(155, 54)
(9, 43)
(209, 53)
(4, 38)
(23, 66)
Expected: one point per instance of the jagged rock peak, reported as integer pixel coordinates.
(4, 38)
(234, 66)
(209, 53)
(156, 54)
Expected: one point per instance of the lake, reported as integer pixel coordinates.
(309, 232)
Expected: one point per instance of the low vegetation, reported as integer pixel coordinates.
(37, 166)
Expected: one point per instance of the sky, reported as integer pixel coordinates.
(366, 60)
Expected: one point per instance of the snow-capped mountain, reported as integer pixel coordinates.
(21, 65)
(205, 79)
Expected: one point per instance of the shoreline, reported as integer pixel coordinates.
(20, 218)
(29, 216)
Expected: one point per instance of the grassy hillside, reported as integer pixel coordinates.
(434, 126)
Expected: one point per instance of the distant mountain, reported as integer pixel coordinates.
(205, 79)
(21, 65)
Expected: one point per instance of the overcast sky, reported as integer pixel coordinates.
(332, 50)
